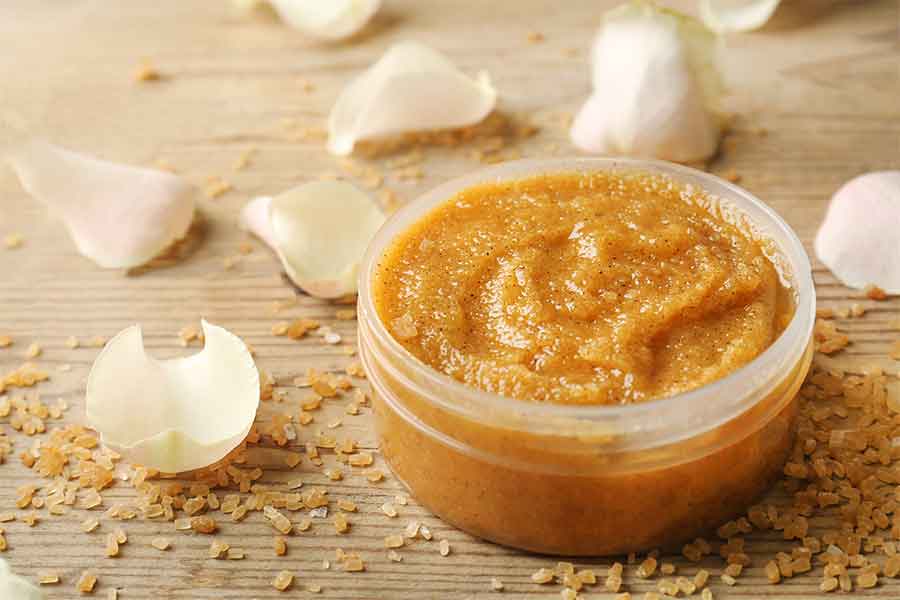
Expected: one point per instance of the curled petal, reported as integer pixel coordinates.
(320, 231)
(858, 240)
(119, 216)
(173, 415)
(656, 89)
(737, 15)
(327, 19)
(13, 587)
(411, 88)
(255, 219)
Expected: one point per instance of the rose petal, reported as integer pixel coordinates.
(320, 231)
(255, 219)
(173, 415)
(13, 587)
(327, 19)
(411, 88)
(858, 240)
(118, 216)
(737, 15)
(656, 88)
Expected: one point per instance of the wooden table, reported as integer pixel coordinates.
(821, 80)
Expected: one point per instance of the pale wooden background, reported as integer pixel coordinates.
(821, 79)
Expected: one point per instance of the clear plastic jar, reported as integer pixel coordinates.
(589, 480)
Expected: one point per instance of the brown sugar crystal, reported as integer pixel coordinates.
(86, 582)
(827, 337)
(160, 543)
(218, 549)
(146, 72)
(542, 576)
(647, 568)
(203, 524)
(112, 545)
(353, 564)
(299, 328)
(341, 524)
(280, 546)
(280, 522)
(283, 581)
(873, 292)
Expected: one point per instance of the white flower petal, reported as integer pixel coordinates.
(737, 15)
(320, 231)
(327, 19)
(656, 89)
(119, 216)
(859, 240)
(411, 88)
(173, 415)
(13, 587)
(255, 219)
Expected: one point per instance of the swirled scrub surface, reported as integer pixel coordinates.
(606, 288)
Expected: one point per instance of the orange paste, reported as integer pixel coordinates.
(582, 289)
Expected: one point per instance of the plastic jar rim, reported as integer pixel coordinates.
(659, 421)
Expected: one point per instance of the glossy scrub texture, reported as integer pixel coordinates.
(605, 288)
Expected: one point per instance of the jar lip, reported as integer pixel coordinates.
(670, 418)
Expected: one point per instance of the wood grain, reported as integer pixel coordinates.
(821, 79)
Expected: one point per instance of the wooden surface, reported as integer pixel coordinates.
(821, 79)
